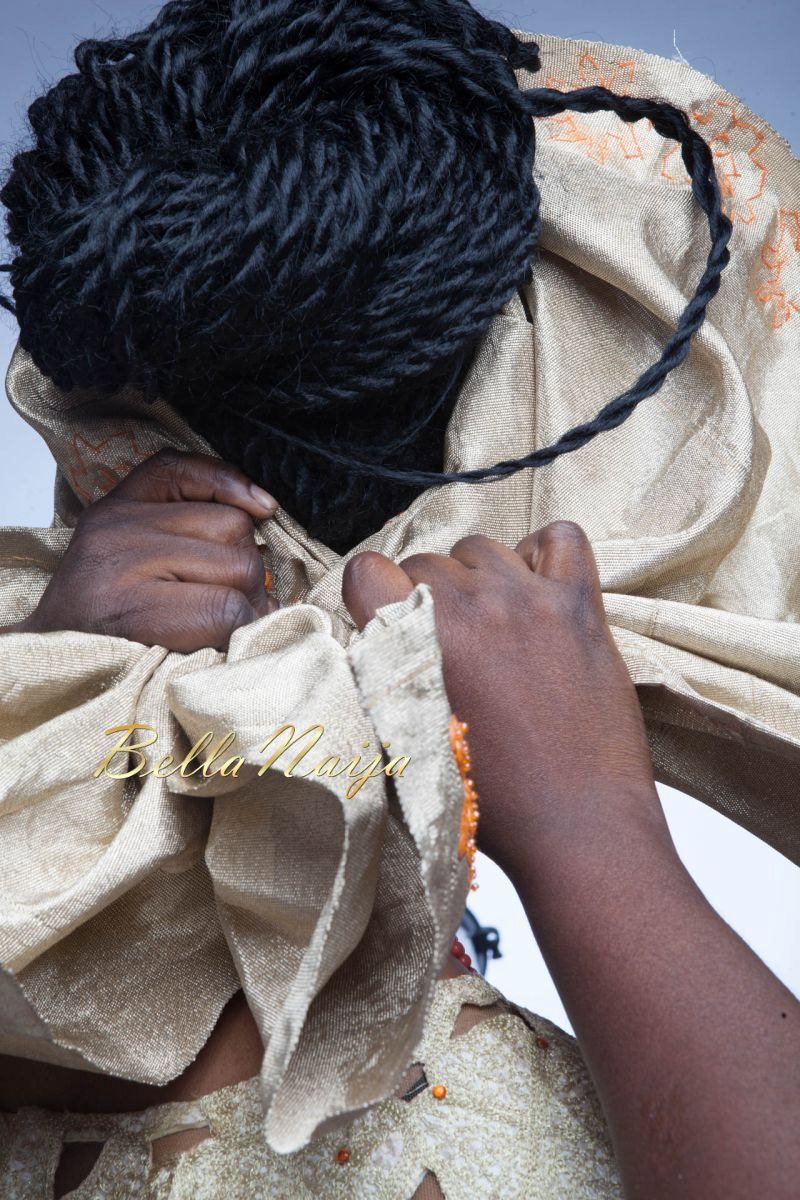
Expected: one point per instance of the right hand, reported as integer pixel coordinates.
(166, 558)
(529, 661)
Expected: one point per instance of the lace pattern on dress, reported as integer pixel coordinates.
(519, 1118)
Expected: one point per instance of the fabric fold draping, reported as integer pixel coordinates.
(131, 909)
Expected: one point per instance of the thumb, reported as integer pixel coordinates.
(369, 581)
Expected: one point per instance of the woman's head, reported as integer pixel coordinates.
(311, 210)
(293, 221)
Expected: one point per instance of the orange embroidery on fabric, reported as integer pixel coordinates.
(734, 144)
(780, 290)
(616, 76)
(597, 144)
(90, 478)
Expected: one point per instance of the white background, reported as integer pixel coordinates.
(748, 47)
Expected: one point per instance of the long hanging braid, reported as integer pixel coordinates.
(293, 220)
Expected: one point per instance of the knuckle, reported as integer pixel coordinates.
(226, 609)
(214, 472)
(472, 540)
(180, 468)
(249, 569)
(161, 465)
(227, 471)
(482, 604)
(158, 468)
(568, 603)
(234, 525)
(219, 473)
(547, 601)
(167, 456)
(527, 543)
(419, 563)
(168, 465)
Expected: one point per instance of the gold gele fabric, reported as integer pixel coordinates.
(130, 913)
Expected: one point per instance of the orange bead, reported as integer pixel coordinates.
(439, 1091)
(470, 811)
(342, 1156)
(268, 581)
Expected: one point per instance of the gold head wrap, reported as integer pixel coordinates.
(130, 911)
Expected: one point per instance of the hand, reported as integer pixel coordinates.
(690, 1041)
(166, 558)
(555, 727)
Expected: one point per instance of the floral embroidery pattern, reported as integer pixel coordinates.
(779, 269)
(97, 466)
(734, 143)
(598, 144)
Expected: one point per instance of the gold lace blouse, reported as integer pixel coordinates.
(519, 1119)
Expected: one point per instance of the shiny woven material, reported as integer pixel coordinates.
(129, 914)
(518, 1095)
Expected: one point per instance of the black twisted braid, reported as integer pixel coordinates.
(293, 222)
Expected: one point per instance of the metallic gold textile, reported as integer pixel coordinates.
(128, 915)
(520, 1119)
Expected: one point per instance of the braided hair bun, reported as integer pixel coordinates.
(293, 220)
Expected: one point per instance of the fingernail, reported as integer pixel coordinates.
(263, 499)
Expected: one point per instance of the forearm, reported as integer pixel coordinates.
(680, 1024)
(693, 1044)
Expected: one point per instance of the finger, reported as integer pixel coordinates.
(561, 551)
(173, 475)
(437, 570)
(476, 550)
(191, 560)
(369, 581)
(202, 522)
(198, 519)
(181, 616)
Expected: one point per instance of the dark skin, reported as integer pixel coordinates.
(168, 558)
(691, 1041)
